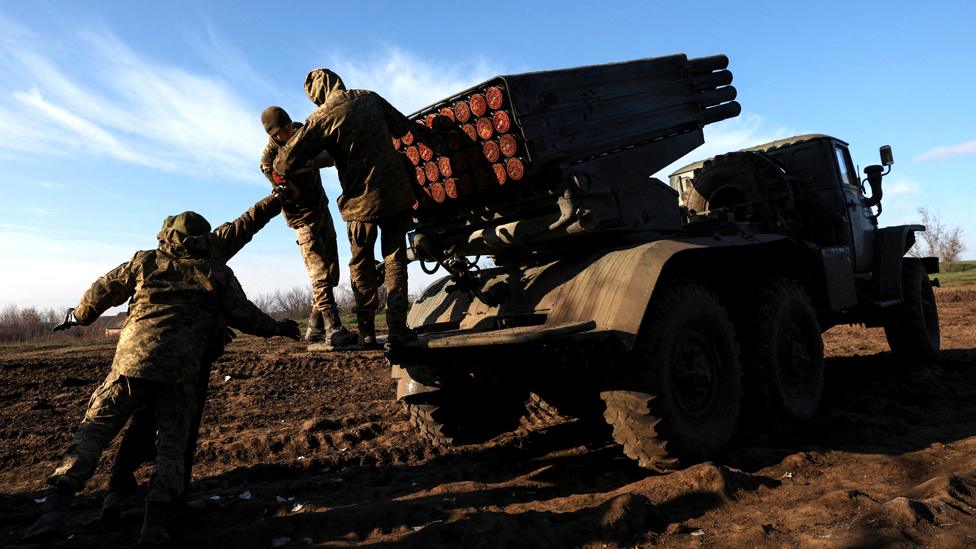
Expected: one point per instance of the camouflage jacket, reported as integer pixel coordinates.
(312, 199)
(181, 298)
(356, 128)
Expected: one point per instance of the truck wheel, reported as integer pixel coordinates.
(685, 403)
(912, 327)
(782, 348)
(467, 409)
(747, 183)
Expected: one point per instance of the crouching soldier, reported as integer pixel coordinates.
(356, 128)
(180, 299)
(307, 211)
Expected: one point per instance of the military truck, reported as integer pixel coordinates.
(667, 309)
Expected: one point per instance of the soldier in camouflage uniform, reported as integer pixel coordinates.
(180, 301)
(138, 444)
(307, 212)
(356, 128)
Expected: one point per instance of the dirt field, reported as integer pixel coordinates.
(302, 449)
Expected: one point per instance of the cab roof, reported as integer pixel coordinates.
(765, 147)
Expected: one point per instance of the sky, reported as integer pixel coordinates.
(114, 115)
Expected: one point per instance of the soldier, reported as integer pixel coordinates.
(356, 128)
(138, 444)
(307, 212)
(181, 300)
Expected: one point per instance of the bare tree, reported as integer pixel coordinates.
(344, 297)
(938, 240)
(267, 303)
(18, 324)
(295, 303)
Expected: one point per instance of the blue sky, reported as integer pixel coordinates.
(117, 115)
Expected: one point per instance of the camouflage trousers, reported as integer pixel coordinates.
(138, 444)
(317, 241)
(362, 267)
(110, 407)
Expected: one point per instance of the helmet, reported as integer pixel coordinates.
(274, 119)
(187, 223)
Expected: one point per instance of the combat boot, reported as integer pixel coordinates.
(154, 525)
(400, 333)
(367, 330)
(316, 327)
(121, 488)
(52, 523)
(335, 333)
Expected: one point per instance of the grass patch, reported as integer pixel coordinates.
(960, 272)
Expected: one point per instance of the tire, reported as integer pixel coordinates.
(782, 349)
(684, 404)
(467, 409)
(912, 327)
(748, 183)
(539, 413)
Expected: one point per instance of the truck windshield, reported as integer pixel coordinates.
(843, 166)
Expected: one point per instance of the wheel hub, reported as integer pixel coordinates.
(695, 374)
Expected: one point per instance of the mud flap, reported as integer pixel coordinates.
(839, 277)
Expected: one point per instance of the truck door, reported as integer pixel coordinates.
(863, 223)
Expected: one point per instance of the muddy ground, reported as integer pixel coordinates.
(310, 449)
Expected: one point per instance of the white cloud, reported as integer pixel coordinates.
(737, 133)
(942, 152)
(408, 81)
(123, 106)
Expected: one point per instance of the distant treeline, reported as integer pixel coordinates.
(18, 324)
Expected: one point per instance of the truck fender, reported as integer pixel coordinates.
(615, 290)
(890, 245)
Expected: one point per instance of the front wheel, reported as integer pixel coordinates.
(683, 403)
(912, 327)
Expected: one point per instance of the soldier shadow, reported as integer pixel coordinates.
(871, 404)
(452, 500)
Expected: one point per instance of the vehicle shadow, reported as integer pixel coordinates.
(872, 404)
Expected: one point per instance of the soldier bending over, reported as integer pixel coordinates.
(181, 299)
(356, 128)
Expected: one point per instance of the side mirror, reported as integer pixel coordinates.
(887, 158)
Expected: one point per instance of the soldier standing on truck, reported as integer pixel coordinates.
(181, 300)
(307, 211)
(138, 444)
(356, 128)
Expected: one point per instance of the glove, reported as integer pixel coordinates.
(285, 193)
(288, 328)
(69, 321)
(281, 192)
(277, 177)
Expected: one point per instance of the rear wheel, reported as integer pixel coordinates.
(683, 404)
(912, 327)
(782, 348)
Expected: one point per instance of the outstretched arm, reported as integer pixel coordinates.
(246, 317)
(114, 288)
(229, 238)
(307, 144)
